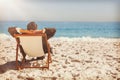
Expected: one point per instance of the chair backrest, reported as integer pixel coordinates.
(32, 44)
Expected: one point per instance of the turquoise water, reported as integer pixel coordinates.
(73, 29)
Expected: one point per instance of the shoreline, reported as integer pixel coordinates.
(73, 59)
(82, 37)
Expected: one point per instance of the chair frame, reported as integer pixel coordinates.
(49, 60)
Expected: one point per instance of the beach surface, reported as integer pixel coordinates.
(72, 59)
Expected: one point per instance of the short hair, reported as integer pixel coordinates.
(32, 26)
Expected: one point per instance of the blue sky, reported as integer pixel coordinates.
(59, 10)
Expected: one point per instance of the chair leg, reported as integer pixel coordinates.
(50, 59)
(23, 60)
(17, 65)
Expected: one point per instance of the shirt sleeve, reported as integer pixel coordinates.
(18, 30)
(43, 30)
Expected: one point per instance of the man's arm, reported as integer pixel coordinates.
(50, 32)
(39, 31)
(12, 31)
(26, 31)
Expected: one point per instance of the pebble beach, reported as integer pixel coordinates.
(72, 59)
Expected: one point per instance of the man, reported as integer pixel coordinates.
(32, 28)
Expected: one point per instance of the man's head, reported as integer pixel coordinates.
(32, 26)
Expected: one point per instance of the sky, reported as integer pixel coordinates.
(59, 10)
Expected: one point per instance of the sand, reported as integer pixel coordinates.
(73, 59)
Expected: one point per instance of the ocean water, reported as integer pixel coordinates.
(72, 29)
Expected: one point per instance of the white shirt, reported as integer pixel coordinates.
(18, 30)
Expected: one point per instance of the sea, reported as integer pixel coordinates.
(71, 29)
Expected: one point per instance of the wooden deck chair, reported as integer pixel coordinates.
(33, 47)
